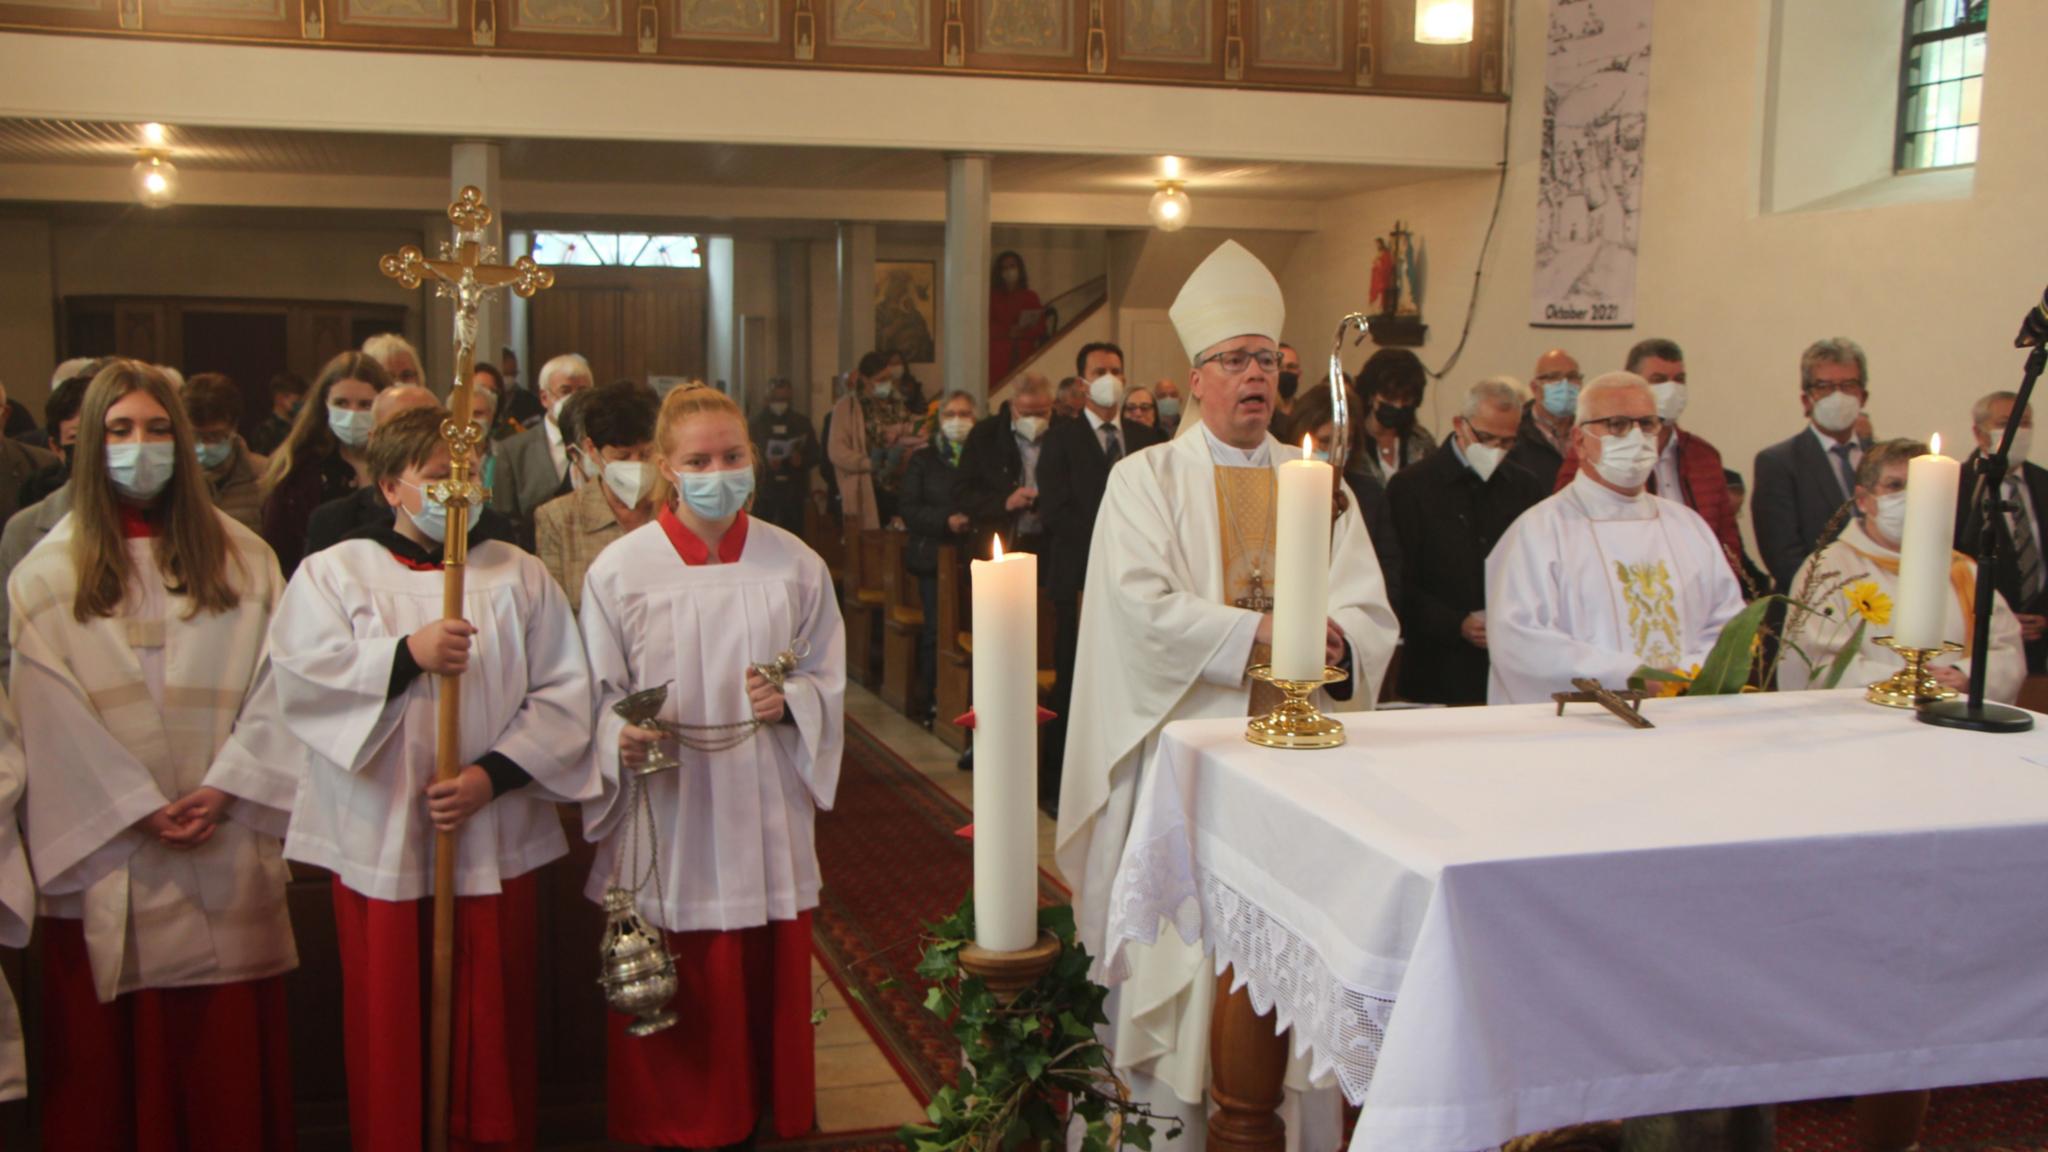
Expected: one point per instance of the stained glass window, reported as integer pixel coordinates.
(617, 249)
(1941, 82)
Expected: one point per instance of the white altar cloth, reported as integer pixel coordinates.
(1494, 921)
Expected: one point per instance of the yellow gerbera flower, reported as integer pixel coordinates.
(1868, 601)
(1662, 688)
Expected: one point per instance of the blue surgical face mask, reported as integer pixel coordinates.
(350, 427)
(1560, 397)
(432, 518)
(140, 471)
(717, 495)
(1169, 406)
(1320, 454)
(212, 455)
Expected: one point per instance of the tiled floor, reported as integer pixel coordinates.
(857, 1087)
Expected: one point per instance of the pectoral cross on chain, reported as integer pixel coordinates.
(1256, 600)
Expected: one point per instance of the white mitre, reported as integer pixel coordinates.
(1230, 294)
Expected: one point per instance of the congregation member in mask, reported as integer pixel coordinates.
(1687, 469)
(1866, 557)
(533, 466)
(287, 394)
(1546, 431)
(1603, 578)
(1166, 394)
(788, 449)
(344, 516)
(1449, 511)
(871, 432)
(999, 470)
(322, 459)
(1801, 482)
(46, 497)
(2019, 578)
(1141, 407)
(1392, 383)
(930, 509)
(1016, 317)
(232, 471)
(1286, 385)
(615, 428)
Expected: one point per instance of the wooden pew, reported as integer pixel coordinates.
(823, 533)
(902, 624)
(863, 582)
(953, 681)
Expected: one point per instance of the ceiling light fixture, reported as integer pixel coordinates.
(1171, 168)
(153, 135)
(1169, 208)
(1443, 21)
(156, 180)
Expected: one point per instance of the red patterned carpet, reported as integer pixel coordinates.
(1989, 1118)
(892, 864)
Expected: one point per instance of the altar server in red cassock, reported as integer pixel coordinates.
(695, 600)
(139, 631)
(361, 648)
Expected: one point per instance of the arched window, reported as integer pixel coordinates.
(617, 249)
(1941, 82)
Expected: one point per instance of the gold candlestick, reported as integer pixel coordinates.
(1295, 722)
(1911, 686)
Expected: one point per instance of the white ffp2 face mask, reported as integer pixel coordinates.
(1626, 461)
(627, 479)
(1671, 398)
(1106, 390)
(1890, 520)
(1484, 458)
(2022, 445)
(1837, 412)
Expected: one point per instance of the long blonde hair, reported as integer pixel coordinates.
(192, 552)
(311, 439)
(686, 402)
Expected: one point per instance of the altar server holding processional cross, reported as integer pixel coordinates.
(736, 618)
(1178, 605)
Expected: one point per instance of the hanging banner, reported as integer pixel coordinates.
(1596, 92)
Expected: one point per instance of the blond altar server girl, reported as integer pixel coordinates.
(139, 631)
(697, 601)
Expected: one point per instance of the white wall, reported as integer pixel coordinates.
(1934, 291)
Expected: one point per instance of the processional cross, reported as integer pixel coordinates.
(466, 273)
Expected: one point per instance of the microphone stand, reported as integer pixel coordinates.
(1972, 712)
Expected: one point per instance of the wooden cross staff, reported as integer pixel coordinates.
(466, 274)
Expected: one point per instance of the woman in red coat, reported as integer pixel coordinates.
(1016, 318)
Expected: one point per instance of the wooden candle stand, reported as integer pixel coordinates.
(1010, 974)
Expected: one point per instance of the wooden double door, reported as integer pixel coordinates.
(630, 323)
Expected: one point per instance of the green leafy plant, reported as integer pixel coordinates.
(1030, 1065)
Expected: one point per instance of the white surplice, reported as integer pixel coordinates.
(1854, 558)
(1591, 583)
(361, 810)
(123, 714)
(1159, 643)
(17, 903)
(735, 827)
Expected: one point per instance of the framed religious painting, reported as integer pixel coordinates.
(906, 309)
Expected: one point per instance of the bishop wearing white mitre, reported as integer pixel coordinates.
(1178, 604)
(1604, 578)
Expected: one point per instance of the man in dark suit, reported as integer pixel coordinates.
(1546, 429)
(998, 481)
(1072, 474)
(2023, 528)
(1450, 508)
(1801, 482)
(534, 466)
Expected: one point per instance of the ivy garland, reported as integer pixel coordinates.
(1029, 1065)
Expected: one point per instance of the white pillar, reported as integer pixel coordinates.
(720, 331)
(964, 317)
(856, 294)
(470, 162)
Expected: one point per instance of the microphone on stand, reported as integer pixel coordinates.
(2034, 329)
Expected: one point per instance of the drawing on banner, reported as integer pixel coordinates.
(1596, 89)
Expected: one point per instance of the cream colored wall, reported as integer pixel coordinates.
(1934, 291)
(28, 323)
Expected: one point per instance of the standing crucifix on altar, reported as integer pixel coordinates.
(1177, 608)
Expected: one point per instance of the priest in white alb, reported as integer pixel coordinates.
(1604, 578)
(1178, 604)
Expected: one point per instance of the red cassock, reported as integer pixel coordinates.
(386, 945)
(161, 1069)
(743, 1043)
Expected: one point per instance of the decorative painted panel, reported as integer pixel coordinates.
(571, 17)
(1400, 55)
(400, 13)
(73, 5)
(879, 24)
(1298, 34)
(1027, 27)
(1166, 31)
(755, 20)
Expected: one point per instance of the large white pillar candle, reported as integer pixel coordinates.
(1301, 568)
(1921, 615)
(1005, 751)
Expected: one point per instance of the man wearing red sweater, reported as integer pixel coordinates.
(1688, 468)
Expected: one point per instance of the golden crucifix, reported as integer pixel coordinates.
(466, 274)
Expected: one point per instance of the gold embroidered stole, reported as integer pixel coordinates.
(1245, 512)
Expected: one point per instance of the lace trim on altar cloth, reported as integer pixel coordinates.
(1339, 1026)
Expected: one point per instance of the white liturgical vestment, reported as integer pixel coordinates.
(1160, 641)
(1591, 583)
(17, 904)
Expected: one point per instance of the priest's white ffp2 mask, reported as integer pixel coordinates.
(1626, 461)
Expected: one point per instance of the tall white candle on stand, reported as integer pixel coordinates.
(1921, 616)
(1301, 568)
(1005, 751)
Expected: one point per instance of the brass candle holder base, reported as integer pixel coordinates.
(1010, 974)
(1911, 686)
(1295, 722)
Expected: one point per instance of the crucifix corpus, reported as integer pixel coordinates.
(466, 273)
(1627, 704)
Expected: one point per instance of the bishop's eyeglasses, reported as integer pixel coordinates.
(1236, 360)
